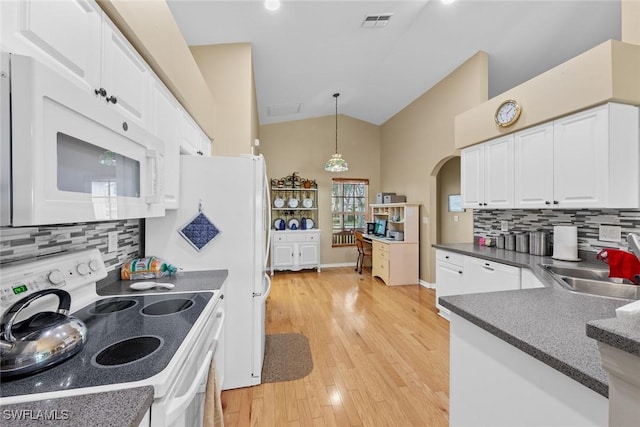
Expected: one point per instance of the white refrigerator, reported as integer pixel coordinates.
(233, 194)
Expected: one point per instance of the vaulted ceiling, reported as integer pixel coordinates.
(307, 50)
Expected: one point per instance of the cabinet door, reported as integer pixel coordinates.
(472, 176)
(165, 120)
(308, 254)
(125, 75)
(448, 281)
(533, 151)
(498, 173)
(205, 144)
(63, 34)
(189, 141)
(581, 159)
(283, 254)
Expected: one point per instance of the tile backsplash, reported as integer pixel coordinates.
(31, 242)
(486, 222)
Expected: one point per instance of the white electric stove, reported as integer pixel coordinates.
(165, 340)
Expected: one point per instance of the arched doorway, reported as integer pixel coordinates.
(451, 226)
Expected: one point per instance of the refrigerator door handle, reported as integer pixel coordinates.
(268, 194)
(266, 293)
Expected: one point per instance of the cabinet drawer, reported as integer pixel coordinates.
(380, 247)
(493, 266)
(312, 238)
(450, 257)
(296, 237)
(279, 238)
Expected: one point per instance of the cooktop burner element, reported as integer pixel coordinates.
(113, 305)
(128, 351)
(171, 306)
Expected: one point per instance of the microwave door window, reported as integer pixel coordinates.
(105, 175)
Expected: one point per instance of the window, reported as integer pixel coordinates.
(349, 201)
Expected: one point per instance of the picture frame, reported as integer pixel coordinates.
(455, 203)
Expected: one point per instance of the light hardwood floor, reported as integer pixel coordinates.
(380, 355)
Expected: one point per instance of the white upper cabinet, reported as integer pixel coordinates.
(487, 174)
(533, 150)
(77, 39)
(125, 76)
(64, 34)
(586, 160)
(166, 126)
(472, 176)
(189, 136)
(205, 144)
(581, 159)
(498, 172)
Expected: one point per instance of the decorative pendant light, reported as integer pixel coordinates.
(336, 163)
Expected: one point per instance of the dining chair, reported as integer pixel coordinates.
(364, 250)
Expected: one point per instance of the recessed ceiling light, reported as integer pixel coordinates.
(272, 5)
(447, 1)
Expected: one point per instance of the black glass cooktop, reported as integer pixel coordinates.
(129, 339)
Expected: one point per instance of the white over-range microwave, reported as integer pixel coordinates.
(67, 156)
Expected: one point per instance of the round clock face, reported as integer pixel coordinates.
(507, 113)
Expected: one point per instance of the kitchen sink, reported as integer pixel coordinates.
(594, 281)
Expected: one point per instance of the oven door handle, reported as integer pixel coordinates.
(179, 404)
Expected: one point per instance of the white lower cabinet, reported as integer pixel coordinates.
(488, 276)
(458, 274)
(492, 383)
(295, 250)
(449, 274)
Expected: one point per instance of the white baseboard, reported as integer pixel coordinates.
(427, 284)
(343, 264)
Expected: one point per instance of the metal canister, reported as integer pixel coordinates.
(500, 242)
(510, 242)
(539, 243)
(522, 242)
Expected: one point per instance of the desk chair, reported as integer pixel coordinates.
(364, 250)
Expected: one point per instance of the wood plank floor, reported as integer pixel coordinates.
(380, 355)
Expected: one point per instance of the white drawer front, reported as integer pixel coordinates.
(450, 257)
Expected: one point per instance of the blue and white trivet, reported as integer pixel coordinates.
(199, 231)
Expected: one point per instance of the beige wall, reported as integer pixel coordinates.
(630, 11)
(228, 71)
(453, 227)
(305, 145)
(608, 72)
(151, 29)
(417, 141)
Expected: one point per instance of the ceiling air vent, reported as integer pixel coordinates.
(380, 20)
(283, 109)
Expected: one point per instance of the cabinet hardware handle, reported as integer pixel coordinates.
(555, 202)
(222, 296)
(100, 92)
(459, 272)
(447, 256)
(112, 99)
(484, 204)
(488, 268)
(546, 202)
(479, 204)
(200, 153)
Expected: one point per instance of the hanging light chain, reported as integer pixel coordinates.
(336, 95)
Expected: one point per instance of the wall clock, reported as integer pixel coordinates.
(508, 113)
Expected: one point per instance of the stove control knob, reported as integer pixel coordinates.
(94, 265)
(83, 269)
(56, 277)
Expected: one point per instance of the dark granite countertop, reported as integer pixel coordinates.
(121, 408)
(547, 323)
(188, 281)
